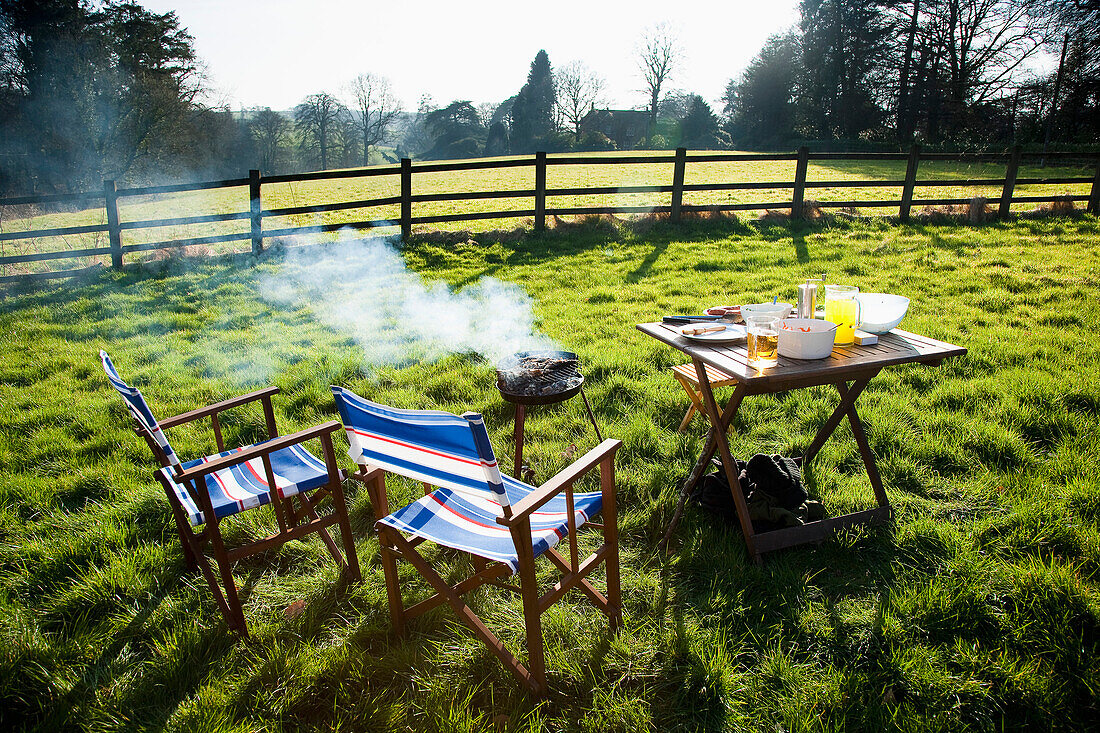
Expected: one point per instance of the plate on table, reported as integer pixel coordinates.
(729, 332)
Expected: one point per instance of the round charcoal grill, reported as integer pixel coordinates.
(543, 377)
(539, 377)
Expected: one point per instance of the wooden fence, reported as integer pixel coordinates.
(256, 233)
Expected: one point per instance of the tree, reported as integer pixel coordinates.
(659, 53)
(729, 104)
(699, 126)
(317, 119)
(904, 119)
(845, 47)
(674, 105)
(533, 107)
(496, 141)
(268, 130)
(93, 91)
(977, 49)
(578, 91)
(764, 103)
(415, 138)
(157, 83)
(456, 130)
(1075, 113)
(346, 142)
(376, 109)
(503, 112)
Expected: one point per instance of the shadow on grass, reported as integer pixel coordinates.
(710, 575)
(69, 710)
(475, 277)
(646, 264)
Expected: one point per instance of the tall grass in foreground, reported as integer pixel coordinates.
(978, 610)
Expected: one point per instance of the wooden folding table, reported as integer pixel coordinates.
(848, 368)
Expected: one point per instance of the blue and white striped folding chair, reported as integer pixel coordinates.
(204, 491)
(503, 523)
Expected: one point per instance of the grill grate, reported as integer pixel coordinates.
(539, 375)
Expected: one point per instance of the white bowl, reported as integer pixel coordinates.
(779, 310)
(806, 338)
(881, 312)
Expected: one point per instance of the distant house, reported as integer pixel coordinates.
(625, 126)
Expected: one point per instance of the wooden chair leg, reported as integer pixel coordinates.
(393, 582)
(341, 508)
(184, 530)
(532, 616)
(183, 526)
(225, 569)
(336, 492)
(465, 613)
(611, 539)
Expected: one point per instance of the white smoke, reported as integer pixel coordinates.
(362, 288)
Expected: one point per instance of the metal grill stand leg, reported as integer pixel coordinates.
(591, 417)
(521, 412)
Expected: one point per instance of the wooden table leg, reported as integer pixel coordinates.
(730, 466)
(864, 449)
(709, 447)
(847, 400)
(521, 412)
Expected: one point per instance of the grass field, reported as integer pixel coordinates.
(978, 610)
(230, 200)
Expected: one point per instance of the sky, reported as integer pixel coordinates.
(272, 53)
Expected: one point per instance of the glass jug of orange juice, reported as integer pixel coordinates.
(842, 308)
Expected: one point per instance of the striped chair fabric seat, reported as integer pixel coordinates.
(469, 523)
(453, 453)
(245, 485)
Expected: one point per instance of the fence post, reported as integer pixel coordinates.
(406, 198)
(678, 170)
(798, 209)
(1010, 182)
(1094, 196)
(114, 234)
(910, 183)
(254, 208)
(540, 191)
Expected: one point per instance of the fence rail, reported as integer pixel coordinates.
(405, 171)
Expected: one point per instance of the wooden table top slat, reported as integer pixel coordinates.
(896, 347)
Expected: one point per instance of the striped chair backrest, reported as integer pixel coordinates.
(442, 449)
(139, 409)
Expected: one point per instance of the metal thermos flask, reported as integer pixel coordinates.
(807, 300)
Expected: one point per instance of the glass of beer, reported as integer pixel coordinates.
(842, 308)
(763, 340)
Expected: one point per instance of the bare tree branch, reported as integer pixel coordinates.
(317, 118)
(376, 108)
(578, 92)
(659, 53)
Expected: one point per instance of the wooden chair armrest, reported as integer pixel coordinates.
(259, 449)
(186, 417)
(522, 509)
